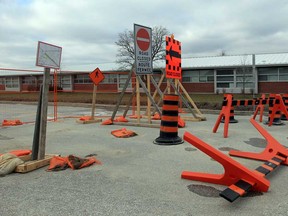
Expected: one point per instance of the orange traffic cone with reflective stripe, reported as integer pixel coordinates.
(169, 122)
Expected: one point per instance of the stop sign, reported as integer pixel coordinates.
(143, 39)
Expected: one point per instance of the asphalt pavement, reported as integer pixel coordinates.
(136, 177)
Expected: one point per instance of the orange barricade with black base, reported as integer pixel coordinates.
(285, 100)
(224, 114)
(231, 117)
(169, 122)
(274, 116)
(276, 107)
(260, 108)
(272, 149)
(235, 173)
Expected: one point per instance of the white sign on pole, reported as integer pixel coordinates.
(143, 49)
(48, 55)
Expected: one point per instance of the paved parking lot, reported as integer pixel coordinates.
(137, 177)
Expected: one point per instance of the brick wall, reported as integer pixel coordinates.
(273, 87)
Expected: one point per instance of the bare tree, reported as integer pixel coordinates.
(126, 55)
(244, 73)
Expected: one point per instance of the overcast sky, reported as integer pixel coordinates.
(87, 29)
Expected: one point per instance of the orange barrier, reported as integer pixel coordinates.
(241, 187)
(234, 171)
(224, 114)
(169, 122)
(276, 106)
(273, 147)
(11, 122)
(123, 133)
(260, 108)
(285, 100)
(231, 116)
(274, 118)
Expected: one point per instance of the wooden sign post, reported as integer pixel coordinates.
(96, 76)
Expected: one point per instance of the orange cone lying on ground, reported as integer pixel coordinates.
(123, 133)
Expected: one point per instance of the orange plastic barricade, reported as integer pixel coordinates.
(234, 171)
(260, 108)
(11, 122)
(273, 147)
(285, 100)
(275, 108)
(224, 114)
(123, 133)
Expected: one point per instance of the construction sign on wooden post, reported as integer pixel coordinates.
(173, 58)
(143, 49)
(96, 76)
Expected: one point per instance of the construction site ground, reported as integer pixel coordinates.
(136, 177)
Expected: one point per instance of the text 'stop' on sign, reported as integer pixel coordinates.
(173, 58)
(96, 76)
(143, 49)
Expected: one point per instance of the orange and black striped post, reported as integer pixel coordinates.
(169, 122)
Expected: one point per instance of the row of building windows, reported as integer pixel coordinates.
(198, 76)
(224, 78)
(273, 74)
(84, 78)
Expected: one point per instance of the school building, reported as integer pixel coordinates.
(252, 73)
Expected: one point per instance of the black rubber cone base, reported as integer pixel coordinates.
(277, 122)
(230, 120)
(168, 141)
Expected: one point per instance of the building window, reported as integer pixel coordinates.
(273, 74)
(29, 80)
(225, 79)
(82, 78)
(198, 76)
(283, 74)
(268, 74)
(110, 79)
(2, 81)
(244, 77)
(122, 81)
(12, 82)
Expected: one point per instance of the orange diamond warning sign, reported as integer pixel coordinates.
(173, 58)
(96, 76)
